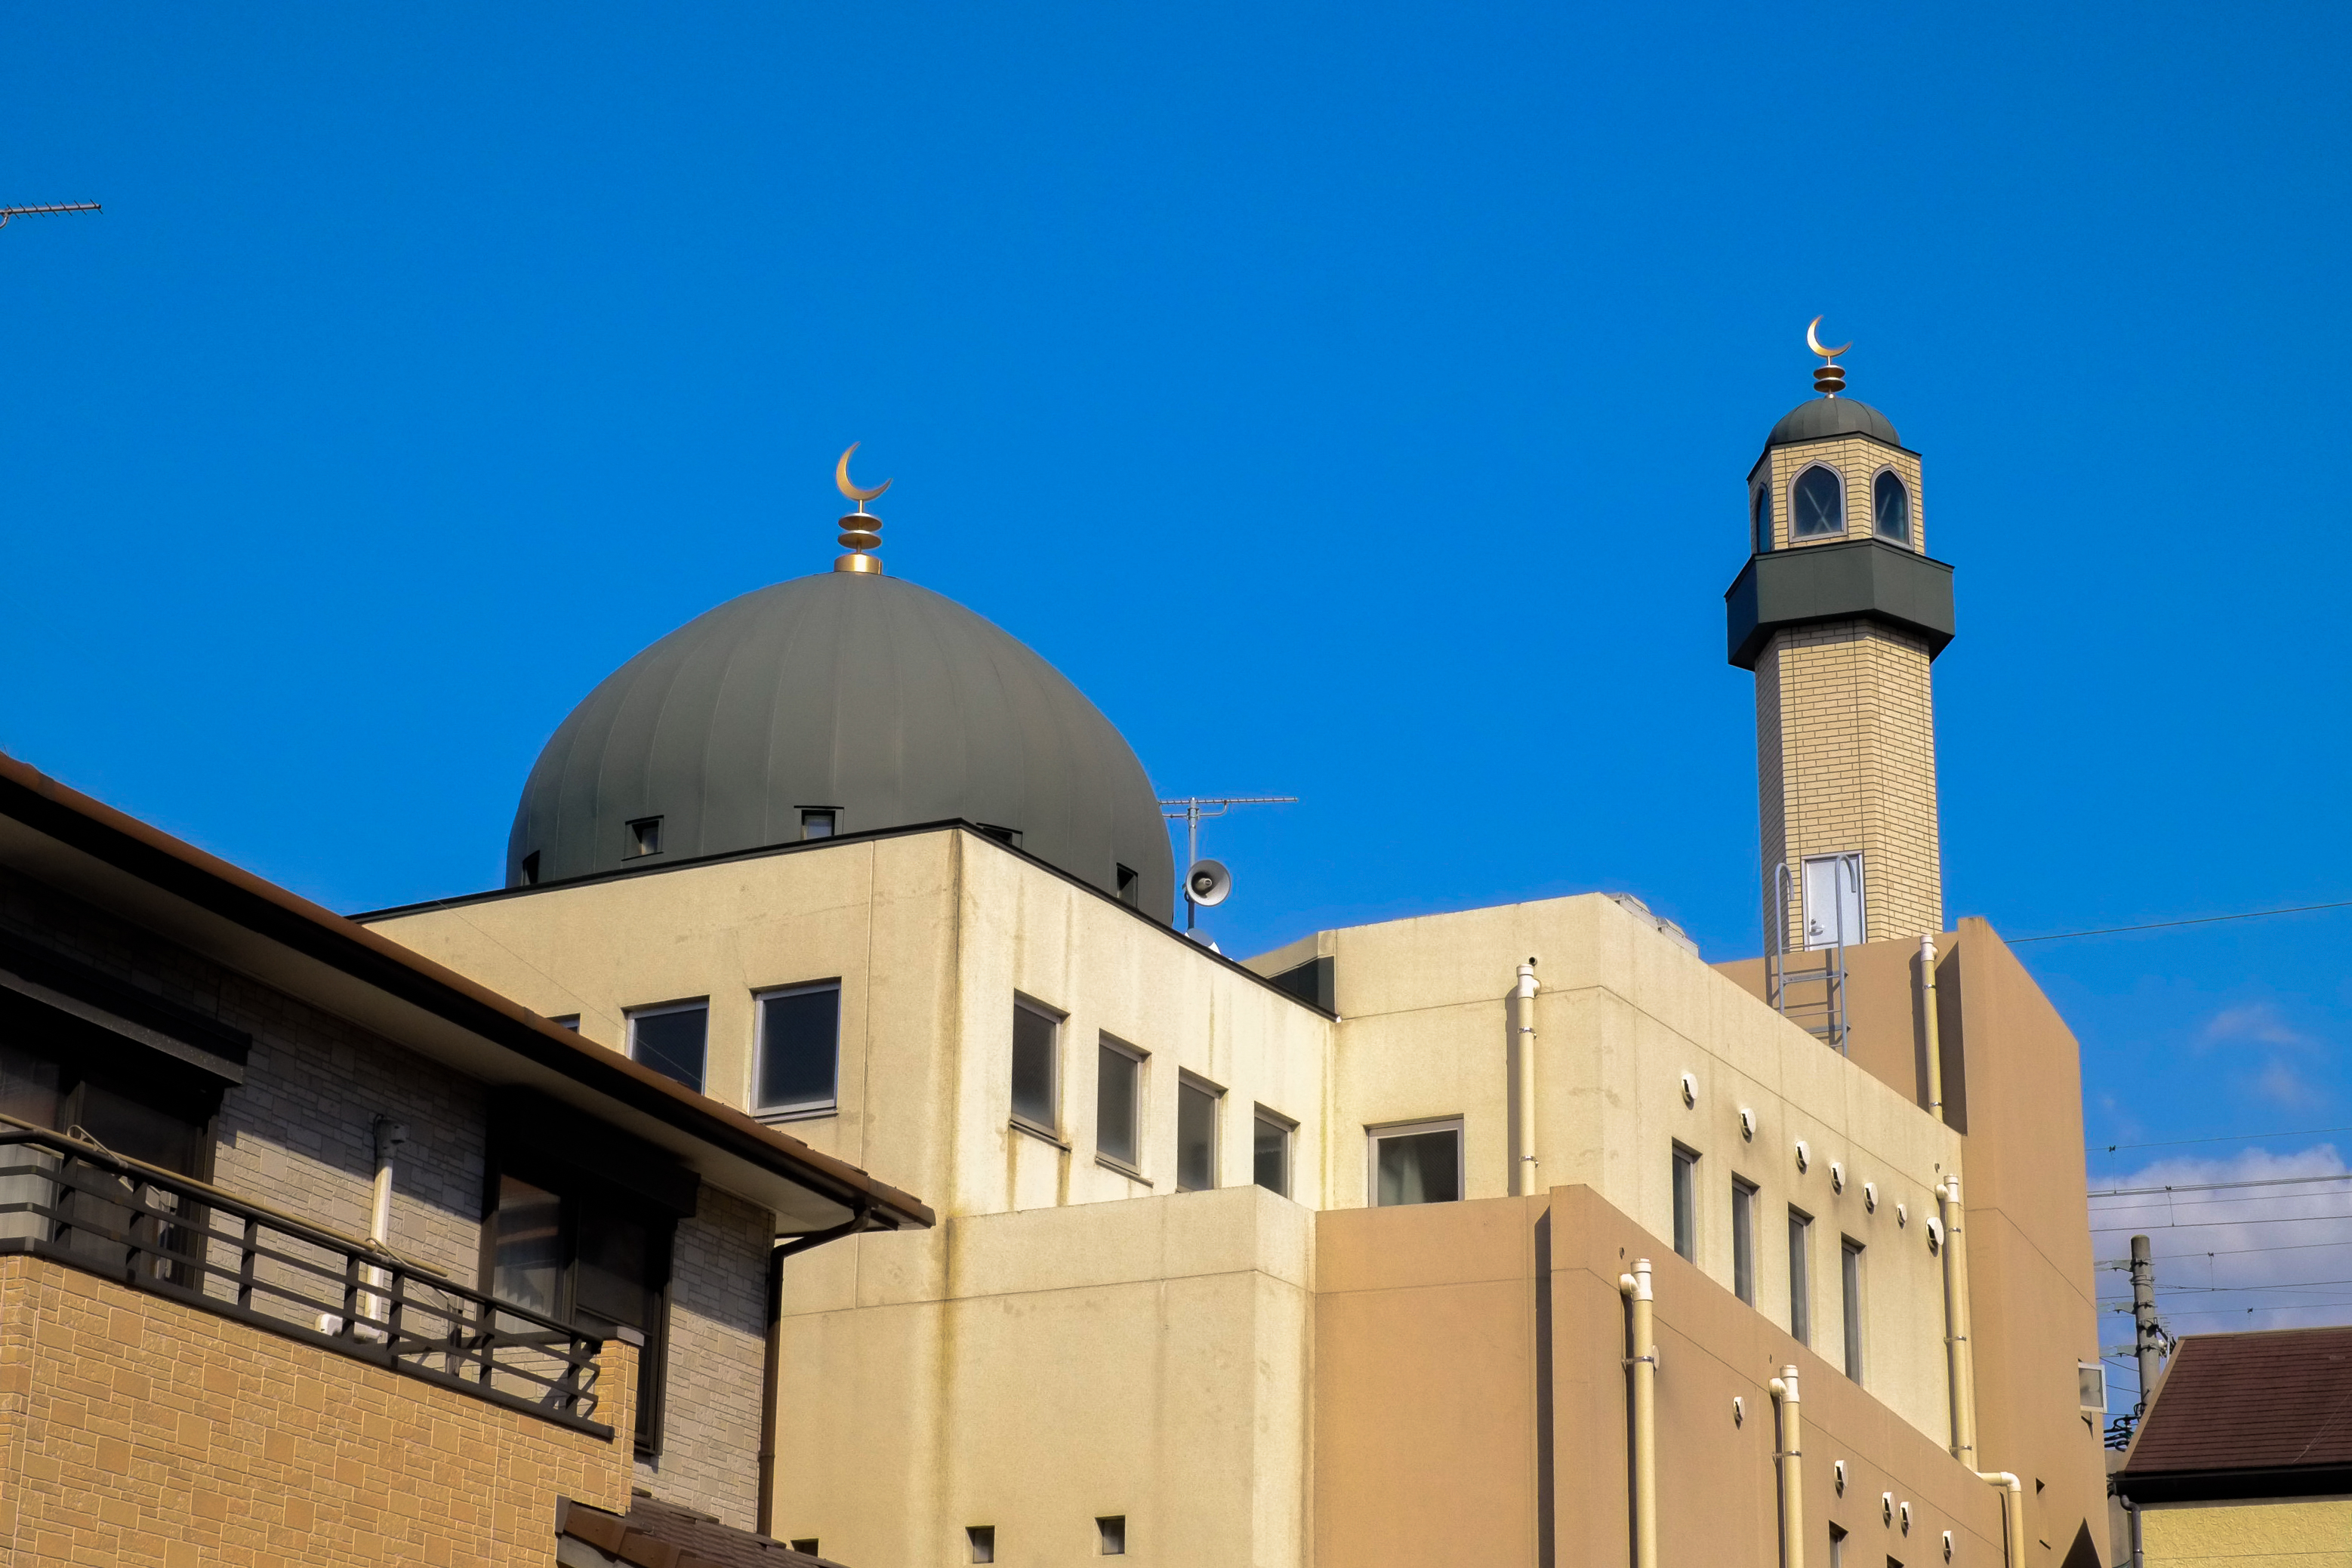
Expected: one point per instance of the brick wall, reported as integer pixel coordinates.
(136, 1430)
(1857, 460)
(718, 1352)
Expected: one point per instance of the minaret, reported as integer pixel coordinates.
(1840, 611)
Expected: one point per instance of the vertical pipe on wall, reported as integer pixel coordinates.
(1793, 1471)
(1524, 1023)
(2012, 1515)
(389, 1135)
(1642, 1361)
(1956, 1326)
(1933, 1025)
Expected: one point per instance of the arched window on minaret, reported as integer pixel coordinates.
(1890, 503)
(1816, 505)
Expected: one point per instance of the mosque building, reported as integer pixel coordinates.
(1514, 1235)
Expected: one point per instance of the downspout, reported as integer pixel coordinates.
(1934, 1026)
(1524, 996)
(1956, 1326)
(389, 1135)
(2012, 1510)
(1792, 1470)
(1643, 1361)
(771, 1373)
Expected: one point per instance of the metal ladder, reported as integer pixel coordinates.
(1807, 988)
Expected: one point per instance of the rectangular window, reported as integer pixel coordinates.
(1196, 1134)
(1118, 1100)
(1743, 1241)
(1850, 1276)
(1035, 1033)
(818, 822)
(1687, 1203)
(526, 1246)
(799, 1048)
(1833, 901)
(982, 1538)
(1418, 1163)
(1837, 1547)
(671, 1039)
(531, 869)
(644, 837)
(1270, 1151)
(1113, 1530)
(566, 1021)
(1130, 888)
(1801, 1276)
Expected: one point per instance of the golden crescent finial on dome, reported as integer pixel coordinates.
(1829, 377)
(841, 479)
(861, 530)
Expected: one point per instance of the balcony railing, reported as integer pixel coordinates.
(81, 1205)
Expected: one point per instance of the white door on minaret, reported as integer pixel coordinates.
(1833, 901)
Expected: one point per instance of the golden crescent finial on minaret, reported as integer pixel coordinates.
(861, 530)
(1829, 379)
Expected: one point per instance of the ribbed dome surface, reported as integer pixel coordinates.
(883, 701)
(1825, 417)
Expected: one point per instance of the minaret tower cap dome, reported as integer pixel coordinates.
(1826, 418)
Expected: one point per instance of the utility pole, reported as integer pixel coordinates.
(2148, 1339)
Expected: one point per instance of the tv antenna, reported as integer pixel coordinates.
(1206, 882)
(8, 212)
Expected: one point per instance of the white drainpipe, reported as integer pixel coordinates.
(1956, 1326)
(2012, 1509)
(1934, 1027)
(389, 1135)
(1792, 1473)
(1525, 1000)
(1644, 1361)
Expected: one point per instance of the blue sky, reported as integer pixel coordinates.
(1354, 401)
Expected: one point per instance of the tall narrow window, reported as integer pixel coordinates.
(1743, 1241)
(1034, 1100)
(1270, 1152)
(671, 1039)
(1760, 513)
(531, 869)
(1833, 901)
(1890, 505)
(1801, 1276)
(1850, 1266)
(1118, 1096)
(1196, 1135)
(819, 821)
(526, 1246)
(1131, 887)
(1816, 505)
(799, 1049)
(1687, 1203)
(1837, 1547)
(1418, 1163)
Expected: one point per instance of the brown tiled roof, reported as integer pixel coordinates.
(655, 1534)
(2247, 1414)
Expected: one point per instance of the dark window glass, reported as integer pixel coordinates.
(1115, 1105)
(1270, 1154)
(1130, 888)
(1891, 503)
(807, 1543)
(982, 1538)
(1196, 1138)
(531, 869)
(526, 1246)
(140, 1131)
(1761, 514)
(1816, 505)
(1114, 1535)
(614, 1257)
(799, 1047)
(1850, 1266)
(1032, 1067)
(671, 1042)
(1418, 1168)
(28, 1087)
(1801, 1276)
(1687, 1204)
(816, 824)
(645, 836)
(1743, 1241)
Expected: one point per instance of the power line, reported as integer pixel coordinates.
(2165, 925)
(2225, 1138)
(2215, 1186)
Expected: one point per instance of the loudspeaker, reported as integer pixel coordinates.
(1207, 883)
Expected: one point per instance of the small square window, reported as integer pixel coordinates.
(819, 821)
(1035, 1100)
(1118, 1100)
(982, 1540)
(1270, 1151)
(1420, 1161)
(1130, 888)
(1113, 1528)
(805, 1543)
(1196, 1134)
(671, 1039)
(644, 837)
(799, 1048)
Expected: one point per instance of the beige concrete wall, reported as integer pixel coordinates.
(2289, 1532)
(1036, 1371)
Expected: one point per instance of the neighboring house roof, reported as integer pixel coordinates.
(655, 1534)
(114, 861)
(2247, 1415)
